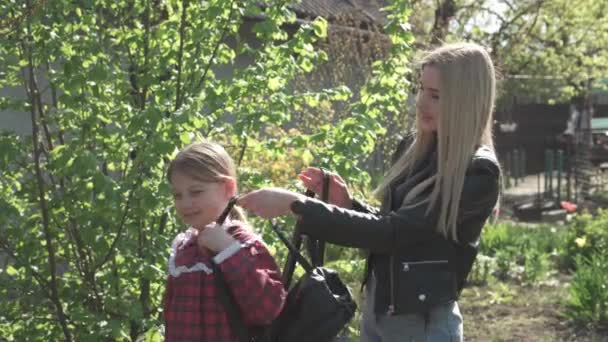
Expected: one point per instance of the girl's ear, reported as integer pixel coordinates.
(230, 188)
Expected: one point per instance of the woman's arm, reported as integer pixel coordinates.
(404, 227)
(382, 233)
(363, 207)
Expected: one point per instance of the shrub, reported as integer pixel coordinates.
(584, 235)
(588, 300)
(520, 252)
(481, 271)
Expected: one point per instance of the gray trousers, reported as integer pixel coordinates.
(444, 323)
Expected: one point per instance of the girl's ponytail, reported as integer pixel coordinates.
(238, 214)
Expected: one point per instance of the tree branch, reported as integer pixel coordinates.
(180, 54)
(45, 285)
(216, 48)
(516, 17)
(121, 226)
(41, 191)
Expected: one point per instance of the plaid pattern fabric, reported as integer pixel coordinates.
(192, 309)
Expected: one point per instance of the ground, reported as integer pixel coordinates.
(510, 312)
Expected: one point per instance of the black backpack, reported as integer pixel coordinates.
(318, 306)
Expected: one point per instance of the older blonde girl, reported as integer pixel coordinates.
(436, 197)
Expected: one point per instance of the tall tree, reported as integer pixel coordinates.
(112, 89)
(548, 49)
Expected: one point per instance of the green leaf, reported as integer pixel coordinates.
(274, 84)
(185, 138)
(11, 271)
(307, 157)
(319, 26)
(153, 336)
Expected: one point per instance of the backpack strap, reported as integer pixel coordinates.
(294, 250)
(235, 318)
(324, 198)
(315, 247)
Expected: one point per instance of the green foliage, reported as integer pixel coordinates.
(585, 235)
(115, 89)
(502, 294)
(528, 254)
(481, 271)
(517, 252)
(546, 50)
(500, 236)
(536, 266)
(588, 300)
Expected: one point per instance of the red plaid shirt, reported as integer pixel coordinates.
(192, 309)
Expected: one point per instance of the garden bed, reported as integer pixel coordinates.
(511, 312)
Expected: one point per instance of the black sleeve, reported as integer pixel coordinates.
(363, 207)
(402, 228)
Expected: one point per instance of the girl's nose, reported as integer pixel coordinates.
(185, 203)
(419, 100)
(419, 105)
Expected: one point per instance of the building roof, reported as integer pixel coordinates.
(365, 11)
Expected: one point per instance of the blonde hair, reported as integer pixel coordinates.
(206, 162)
(466, 101)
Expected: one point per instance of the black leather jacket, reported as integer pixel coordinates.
(415, 266)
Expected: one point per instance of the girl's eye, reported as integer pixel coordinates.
(196, 192)
(435, 97)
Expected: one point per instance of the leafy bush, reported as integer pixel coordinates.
(588, 301)
(536, 267)
(584, 235)
(481, 271)
(542, 238)
(85, 211)
(520, 252)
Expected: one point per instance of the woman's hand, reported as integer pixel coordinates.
(312, 178)
(269, 202)
(214, 237)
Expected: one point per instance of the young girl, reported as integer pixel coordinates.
(203, 180)
(436, 198)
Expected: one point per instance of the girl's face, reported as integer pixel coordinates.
(199, 203)
(427, 101)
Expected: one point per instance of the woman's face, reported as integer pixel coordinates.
(427, 101)
(199, 203)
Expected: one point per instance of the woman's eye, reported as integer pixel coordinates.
(177, 196)
(435, 97)
(196, 192)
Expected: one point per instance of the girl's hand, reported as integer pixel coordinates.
(269, 202)
(214, 237)
(312, 178)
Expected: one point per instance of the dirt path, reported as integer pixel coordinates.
(516, 313)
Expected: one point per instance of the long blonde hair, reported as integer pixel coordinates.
(466, 101)
(206, 162)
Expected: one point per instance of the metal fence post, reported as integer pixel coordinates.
(515, 166)
(522, 164)
(508, 170)
(560, 166)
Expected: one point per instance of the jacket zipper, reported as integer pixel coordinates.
(425, 262)
(391, 307)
